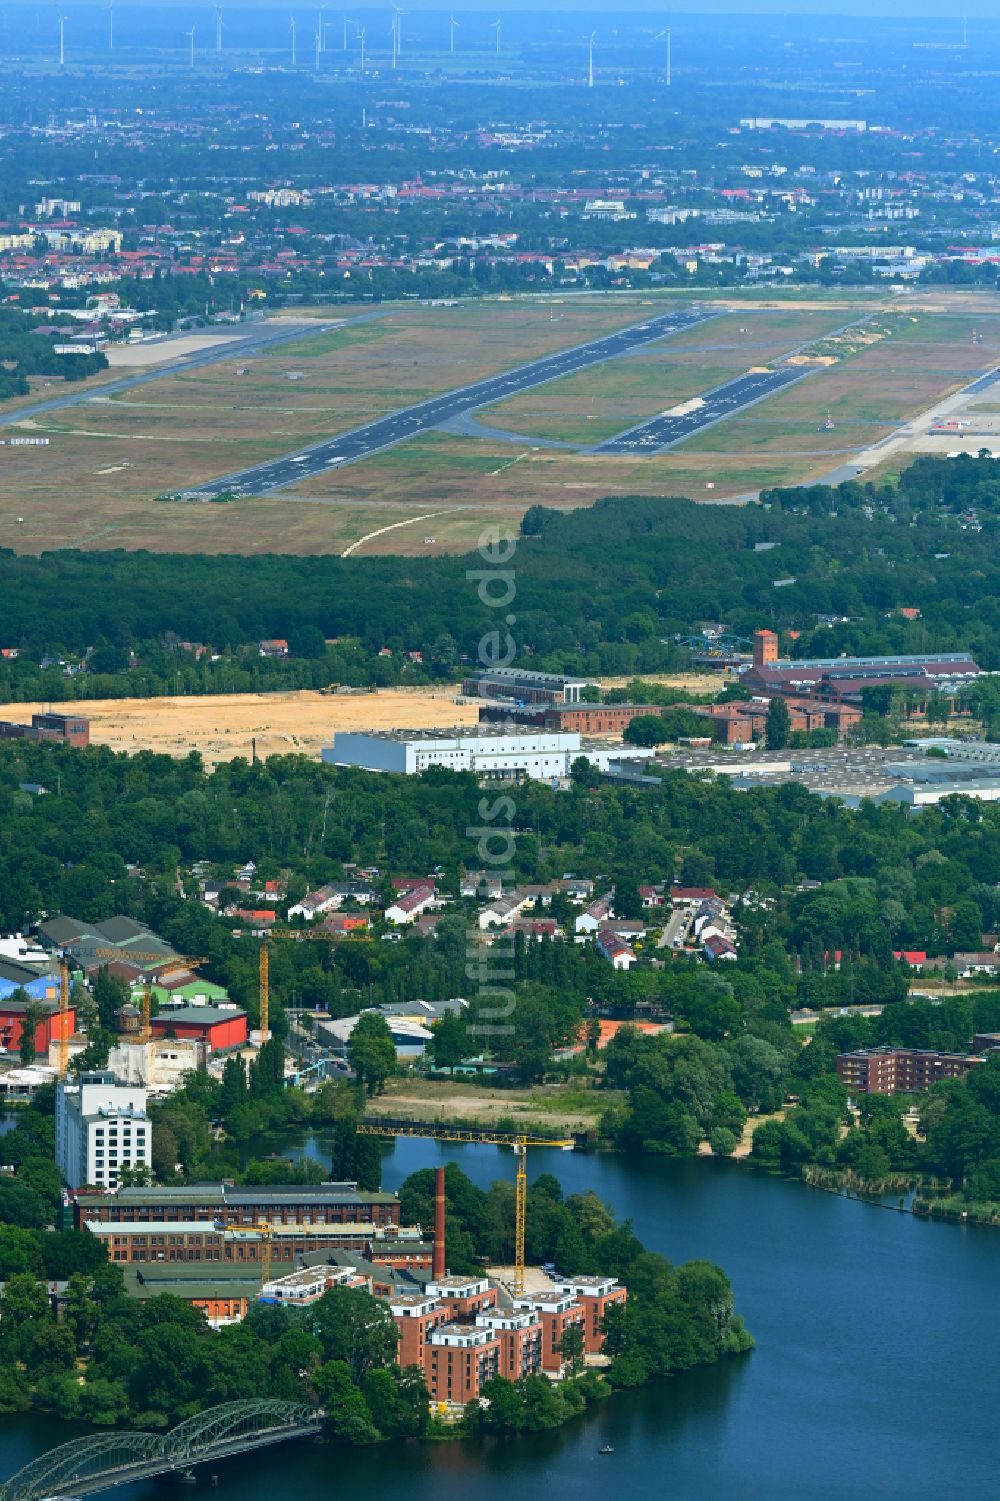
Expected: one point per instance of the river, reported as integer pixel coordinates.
(875, 1373)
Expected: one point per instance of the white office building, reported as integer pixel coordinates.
(499, 753)
(101, 1127)
(505, 754)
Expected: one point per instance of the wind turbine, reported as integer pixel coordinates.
(190, 37)
(218, 27)
(318, 38)
(590, 59)
(496, 28)
(451, 33)
(361, 39)
(395, 35)
(291, 24)
(62, 41)
(111, 25)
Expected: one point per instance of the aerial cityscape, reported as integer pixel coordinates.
(499, 752)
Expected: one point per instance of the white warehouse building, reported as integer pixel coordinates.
(501, 753)
(101, 1127)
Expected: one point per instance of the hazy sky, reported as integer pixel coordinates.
(926, 10)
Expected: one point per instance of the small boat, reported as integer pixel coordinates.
(606, 1449)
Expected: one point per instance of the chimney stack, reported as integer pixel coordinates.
(439, 1253)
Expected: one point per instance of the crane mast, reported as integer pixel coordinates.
(264, 996)
(63, 1017)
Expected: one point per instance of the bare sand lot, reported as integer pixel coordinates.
(690, 682)
(159, 351)
(222, 726)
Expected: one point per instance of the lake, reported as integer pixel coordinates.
(875, 1373)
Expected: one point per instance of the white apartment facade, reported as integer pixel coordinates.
(101, 1127)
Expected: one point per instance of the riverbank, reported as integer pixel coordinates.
(795, 1422)
(551, 1109)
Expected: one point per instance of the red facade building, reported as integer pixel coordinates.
(47, 1028)
(216, 1027)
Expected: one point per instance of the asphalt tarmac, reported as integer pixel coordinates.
(664, 431)
(373, 437)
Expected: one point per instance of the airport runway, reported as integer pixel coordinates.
(734, 396)
(257, 338)
(983, 383)
(384, 432)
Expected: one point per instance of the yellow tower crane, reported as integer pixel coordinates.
(265, 1254)
(520, 1142)
(265, 1030)
(265, 1230)
(300, 934)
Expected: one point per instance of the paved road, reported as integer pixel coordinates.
(257, 338)
(723, 401)
(384, 432)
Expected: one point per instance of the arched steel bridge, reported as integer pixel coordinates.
(88, 1465)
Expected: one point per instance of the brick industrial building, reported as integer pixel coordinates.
(836, 679)
(515, 685)
(888, 1070)
(315, 1204)
(198, 1240)
(67, 729)
(745, 722)
(205, 1244)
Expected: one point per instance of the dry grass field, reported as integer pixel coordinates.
(94, 486)
(222, 726)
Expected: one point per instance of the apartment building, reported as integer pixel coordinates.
(101, 1128)
(888, 1070)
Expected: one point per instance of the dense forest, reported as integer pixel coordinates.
(599, 591)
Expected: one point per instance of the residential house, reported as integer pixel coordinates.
(344, 924)
(591, 918)
(315, 903)
(407, 908)
(484, 885)
(716, 945)
(616, 950)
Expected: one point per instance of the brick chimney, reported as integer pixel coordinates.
(439, 1266)
(765, 648)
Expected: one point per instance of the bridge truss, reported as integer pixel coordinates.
(103, 1460)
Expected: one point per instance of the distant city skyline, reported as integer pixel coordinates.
(880, 10)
